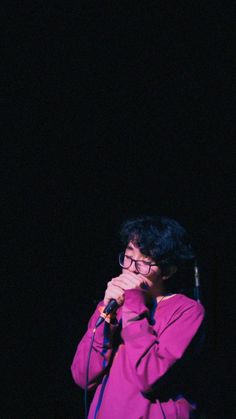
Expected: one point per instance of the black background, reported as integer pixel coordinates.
(111, 110)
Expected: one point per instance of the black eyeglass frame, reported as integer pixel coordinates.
(122, 255)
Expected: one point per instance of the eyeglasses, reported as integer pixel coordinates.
(141, 266)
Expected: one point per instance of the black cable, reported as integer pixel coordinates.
(87, 377)
(162, 411)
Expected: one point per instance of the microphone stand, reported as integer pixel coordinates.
(197, 283)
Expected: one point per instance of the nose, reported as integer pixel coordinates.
(132, 267)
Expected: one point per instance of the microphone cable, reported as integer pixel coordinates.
(87, 376)
(110, 307)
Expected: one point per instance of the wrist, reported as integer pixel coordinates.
(109, 318)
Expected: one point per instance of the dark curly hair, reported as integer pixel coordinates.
(161, 238)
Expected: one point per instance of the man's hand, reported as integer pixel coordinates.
(127, 280)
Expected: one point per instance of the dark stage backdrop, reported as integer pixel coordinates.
(113, 109)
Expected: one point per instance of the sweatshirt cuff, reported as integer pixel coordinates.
(135, 300)
(134, 307)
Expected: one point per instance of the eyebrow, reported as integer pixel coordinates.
(130, 247)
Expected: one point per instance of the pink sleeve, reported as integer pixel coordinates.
(151, 355)
(100, 354)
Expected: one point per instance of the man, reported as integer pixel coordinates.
(138, 354)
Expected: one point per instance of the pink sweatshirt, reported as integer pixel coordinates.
(125, 373)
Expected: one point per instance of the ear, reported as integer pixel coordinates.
(171, 271)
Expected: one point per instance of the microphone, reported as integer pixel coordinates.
(110, 307)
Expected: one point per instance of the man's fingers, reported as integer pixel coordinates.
(127, 283)
(127, 280)
(113, 291)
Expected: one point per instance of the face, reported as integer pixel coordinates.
(134, 252)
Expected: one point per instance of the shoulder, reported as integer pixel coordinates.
(181, 316)
(181, 305)
(189, 312)
(185, 302)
